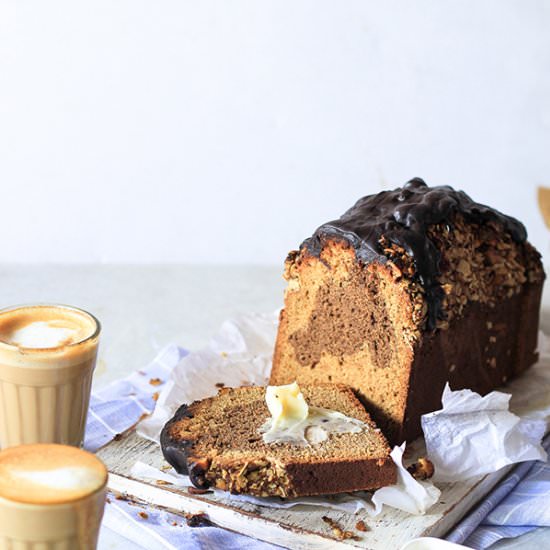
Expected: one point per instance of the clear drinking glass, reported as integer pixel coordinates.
(45, 391)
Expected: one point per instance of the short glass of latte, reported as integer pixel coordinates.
(47, 359)
(51, 497)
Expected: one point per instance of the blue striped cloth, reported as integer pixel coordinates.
(144, 527)
(117, 407)
(519, 504)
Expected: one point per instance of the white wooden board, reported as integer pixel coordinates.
(299, 527)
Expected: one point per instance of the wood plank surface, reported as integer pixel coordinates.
(299, 527)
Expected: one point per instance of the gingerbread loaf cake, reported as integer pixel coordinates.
(218, 442)
(408, 290)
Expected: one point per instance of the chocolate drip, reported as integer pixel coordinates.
(176, 450)
(403, 216)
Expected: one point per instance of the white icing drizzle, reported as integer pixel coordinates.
(314, 429)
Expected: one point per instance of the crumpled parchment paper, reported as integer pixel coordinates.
(473, 435)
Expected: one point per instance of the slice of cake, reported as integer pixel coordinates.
(221, 442)
(410, 289)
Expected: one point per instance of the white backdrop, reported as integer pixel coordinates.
(201, 131)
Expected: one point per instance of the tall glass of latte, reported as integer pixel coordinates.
(51, 497)
(47, 358)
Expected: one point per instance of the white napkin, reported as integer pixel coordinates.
(408, 494)
(474, 435)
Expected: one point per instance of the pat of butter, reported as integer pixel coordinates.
(286, 405)
(293, 421)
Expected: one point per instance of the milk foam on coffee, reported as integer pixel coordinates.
(71, 478)
(44, 327)
(43, 334)
(49, 473)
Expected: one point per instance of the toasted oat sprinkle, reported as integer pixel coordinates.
(197, 520)
(338, 532)
(423, 468)
(361, 526)
(197, 491)
(478, 263)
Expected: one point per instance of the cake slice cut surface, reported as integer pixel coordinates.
(218, 442)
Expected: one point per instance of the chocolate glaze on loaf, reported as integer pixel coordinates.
(177, 452)
(403, 217)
